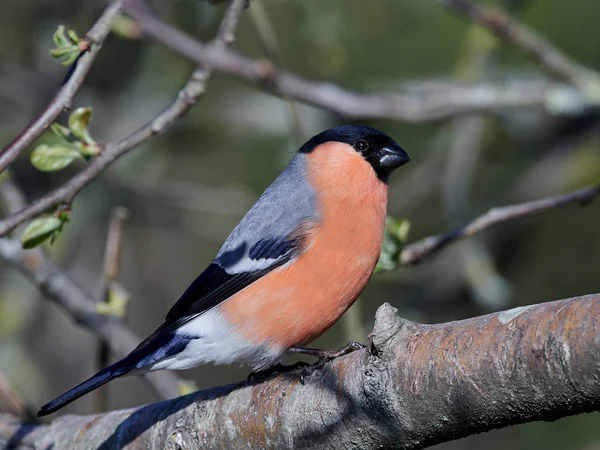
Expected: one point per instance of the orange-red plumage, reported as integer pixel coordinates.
(296, 303)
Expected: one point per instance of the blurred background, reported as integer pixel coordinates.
(186, 189)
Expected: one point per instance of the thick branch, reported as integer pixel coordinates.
(549, 57)
(415, 386)
(63, 98)
(417, 251)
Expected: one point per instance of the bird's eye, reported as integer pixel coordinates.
(361, 145)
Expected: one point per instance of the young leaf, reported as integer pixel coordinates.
(50, 158)
(39, 230)
(79, 122)
(62, 132)
(67, 45)
(116, 304)
(59, 37)
(396, 233)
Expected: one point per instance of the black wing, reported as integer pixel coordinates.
(215, 284)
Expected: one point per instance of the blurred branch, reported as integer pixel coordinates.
(416, 252)
(11, 403)
(112, 260)
(550, 58)
(270, 44)
(414, 386)
(64, 97)
(112, 288)
(430, 102)
(57, 286)
(187, 97)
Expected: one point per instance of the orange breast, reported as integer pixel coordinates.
(296, 303)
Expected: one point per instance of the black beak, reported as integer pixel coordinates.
(393, 156)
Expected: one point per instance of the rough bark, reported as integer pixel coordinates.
(414, 386)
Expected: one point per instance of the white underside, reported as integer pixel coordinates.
(217, 342)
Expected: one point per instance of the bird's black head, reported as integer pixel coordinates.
(378, 149)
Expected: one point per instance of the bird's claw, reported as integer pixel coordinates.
(328, 355)
(277, 368)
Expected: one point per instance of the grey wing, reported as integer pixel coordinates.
(270, 235)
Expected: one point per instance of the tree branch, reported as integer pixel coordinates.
(188, 96)
(415, 386)
(417, 251)
(550, 58)
(63, 98)
(58, 287)
(111, 287)
(428, 103)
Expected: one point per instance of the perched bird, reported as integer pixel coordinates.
(295, 263)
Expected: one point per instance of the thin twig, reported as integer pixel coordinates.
(64, 97)
(112, 270)
(550, 58)
(187, 97)
(412, 107)
(11, 402)
(80, 305)
(416, 252)
(58, 287)
(270, 44)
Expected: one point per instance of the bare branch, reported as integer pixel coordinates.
(188, 96)
(11, 403)
(112, 260)
(415, 386)
(79, 305)
(51, 281)
(111, 286)
(57, 286)
(432, 102)
(416, 252)
(550, 58)
(63, 98)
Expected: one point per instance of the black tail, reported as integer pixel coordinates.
(158, 346)
(104, 376)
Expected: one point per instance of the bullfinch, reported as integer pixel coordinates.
(294, 264)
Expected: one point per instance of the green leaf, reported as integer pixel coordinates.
(4, 176)
(59, 37)
(79, 122)
(62, 132)
(116, 303)
(74, 36)
(394, 238)
(39, 230)
(50, 158)
(67, 45)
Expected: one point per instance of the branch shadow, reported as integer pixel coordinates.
(354, 408)
(16, 440)
(147, 416)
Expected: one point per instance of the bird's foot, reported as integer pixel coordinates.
(277, 368)
(324, 357)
